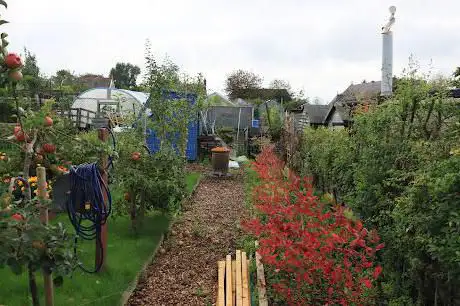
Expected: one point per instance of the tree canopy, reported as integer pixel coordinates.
(124, 75)
(239, 81)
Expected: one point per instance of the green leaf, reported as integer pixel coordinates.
(3, 21)
(58, 281)
(4, 35)
(3, 2)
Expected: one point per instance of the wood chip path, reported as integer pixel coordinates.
(184, 272)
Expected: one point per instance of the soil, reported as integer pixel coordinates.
(184, 271)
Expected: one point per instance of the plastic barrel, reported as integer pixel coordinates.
(219, 161)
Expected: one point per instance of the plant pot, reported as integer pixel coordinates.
(219, 161)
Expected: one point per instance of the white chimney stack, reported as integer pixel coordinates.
(387, 56)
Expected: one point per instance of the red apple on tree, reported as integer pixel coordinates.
(135, 156)
(17, 217)
(13, 61)
(48, 121)
(15, 75)
(49, 148)
(19, 133)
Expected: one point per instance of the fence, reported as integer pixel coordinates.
(83, 118)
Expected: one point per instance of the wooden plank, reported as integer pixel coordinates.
(261, 286)
(221, 287)
(244, 277)
(228, 282)
(249, 281)
(234, 282)
(239, 288)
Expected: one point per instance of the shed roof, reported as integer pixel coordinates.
(316, 112)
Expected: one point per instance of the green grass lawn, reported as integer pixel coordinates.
(191, 179)
(126, 255)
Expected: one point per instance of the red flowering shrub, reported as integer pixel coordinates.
(322, 256)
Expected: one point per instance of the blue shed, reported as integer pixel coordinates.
(153, 142)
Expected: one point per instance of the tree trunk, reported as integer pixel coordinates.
(133, 211)
(142, 209)
(33, 288)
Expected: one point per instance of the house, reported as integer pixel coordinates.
(309, 115)
(340, 110)
(94, 81)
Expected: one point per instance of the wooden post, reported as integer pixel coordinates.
(221, 287)
(228, 281)
(42, 195)
(79, 118)
(239, 288)
(261, 286)
(244, 278)
(103, 134)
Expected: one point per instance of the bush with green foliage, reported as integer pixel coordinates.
(399, 168)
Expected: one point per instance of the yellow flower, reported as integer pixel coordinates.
(33, 184)
(23, 188)
(20, 183)
(33, 179)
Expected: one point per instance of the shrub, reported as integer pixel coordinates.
(398, 168)
(320, 253)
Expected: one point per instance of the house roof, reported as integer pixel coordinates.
(94, 81)
(367, 89)
(316, 112)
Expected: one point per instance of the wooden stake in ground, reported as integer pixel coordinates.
(244, 277)
(42, 195)
(101, 255)
(234, 282)
(228, 281)
(221, 289)
(261, 280)
(239, 288)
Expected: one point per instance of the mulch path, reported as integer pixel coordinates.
(184, 271)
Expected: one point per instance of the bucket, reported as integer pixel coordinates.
(219, 159)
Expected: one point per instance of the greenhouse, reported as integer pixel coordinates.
(126, 100)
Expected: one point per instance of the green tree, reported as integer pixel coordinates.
(124, 75)
(63, 78)
(33, 82)
(240, 80)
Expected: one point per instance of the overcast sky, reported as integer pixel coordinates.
(320, 46)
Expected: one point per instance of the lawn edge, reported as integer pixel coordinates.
(142, 272)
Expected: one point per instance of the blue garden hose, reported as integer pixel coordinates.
(86, 204)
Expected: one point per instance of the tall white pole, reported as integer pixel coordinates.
(387, 64)
(387, 56)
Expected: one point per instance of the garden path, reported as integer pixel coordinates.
(184, 272)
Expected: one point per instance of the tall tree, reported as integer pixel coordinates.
(281, 84)
(33, 82)
(63, 77)
(124, 75)
(240, 80)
